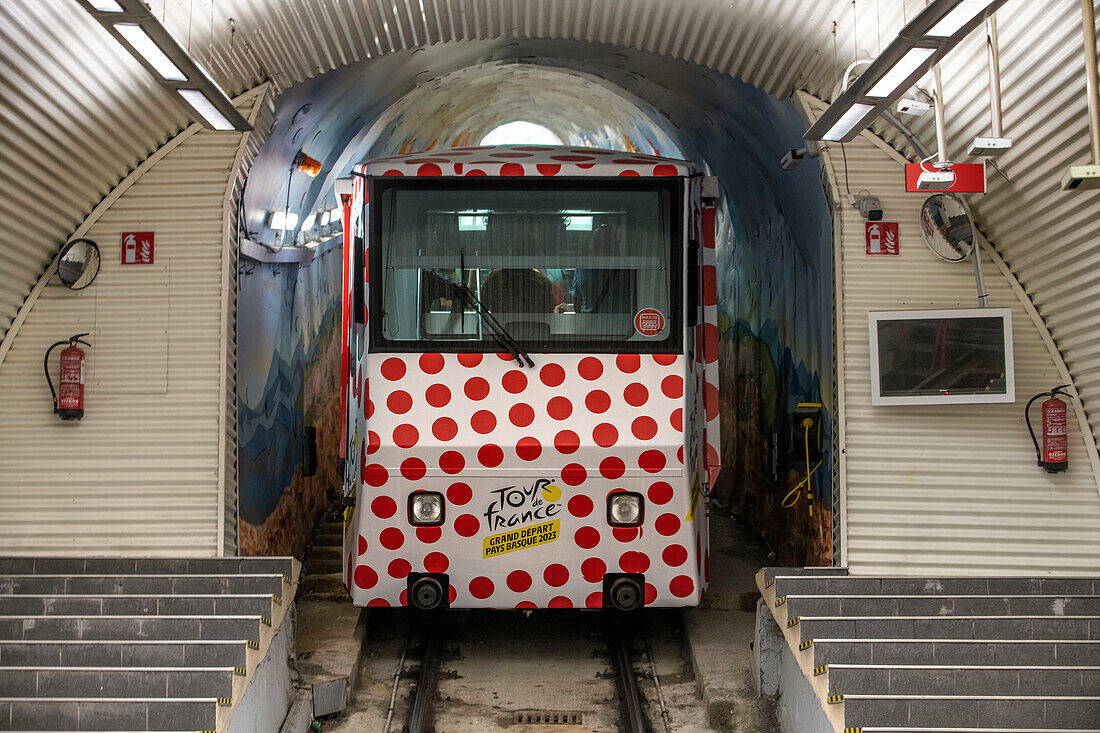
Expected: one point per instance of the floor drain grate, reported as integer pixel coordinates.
(549, 717)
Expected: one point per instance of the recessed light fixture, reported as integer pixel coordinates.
(890, 83)
(919, 46)
(847, 122)
(962, 14)
(206, 109)
(143, 44)
(134, 26)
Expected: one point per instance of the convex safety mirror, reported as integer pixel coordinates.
(947, 227)
(78, 264)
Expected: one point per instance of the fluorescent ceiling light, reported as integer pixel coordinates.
(279, 220)
(143, 44)
(106, 6)
(579, 224)
(899, 72)
(962, 14)
(202, 104)
(847, 121)
(307, 223)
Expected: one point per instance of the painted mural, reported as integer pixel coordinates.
(774, 238)
(288, 354)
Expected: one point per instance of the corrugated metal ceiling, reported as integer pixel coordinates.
(77, 113)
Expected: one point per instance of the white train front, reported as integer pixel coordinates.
(531, 382)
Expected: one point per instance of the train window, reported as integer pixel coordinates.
(583, 265)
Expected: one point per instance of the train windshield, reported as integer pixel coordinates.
(580, 266)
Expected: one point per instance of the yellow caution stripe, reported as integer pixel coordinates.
(253, 644)
(277, 598)
(821, 670)
(780, 601)
(240, 671)
(792, 622)
(225, 701)
(853, 730)
(805, 645)
(266, 620)
(836, 698)
(769, 583)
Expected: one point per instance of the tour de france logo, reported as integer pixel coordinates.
(526, 516)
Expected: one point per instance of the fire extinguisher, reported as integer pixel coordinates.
(68, 400)
(1054, 455)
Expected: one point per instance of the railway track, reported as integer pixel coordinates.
(627, 649)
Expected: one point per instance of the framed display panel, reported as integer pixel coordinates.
(935, 357)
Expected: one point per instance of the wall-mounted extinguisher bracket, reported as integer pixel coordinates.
(1053, 456)
(68, 399)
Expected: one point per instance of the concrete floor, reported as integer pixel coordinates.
(498, 662)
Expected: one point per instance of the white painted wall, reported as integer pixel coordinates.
(147, 468)
(946, 490)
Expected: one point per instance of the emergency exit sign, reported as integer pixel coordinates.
(137, 248)
(882, 238)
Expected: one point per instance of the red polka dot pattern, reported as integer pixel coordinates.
(597, 401)
(444, 429)
(593, 569)
(436, 562)
(438, 395)
(365, 577)
(467, 525)
(604, 435)
(391, 538)
(566, 442)
(483, 422)
(519, 581)
(528, 449)
(481, 587)
(428, 535)
(559, 408)
(556, 575)
(383, 507)
(590, 368)
(579, 506)
(521, 415)
(431, 363)
(459, 493)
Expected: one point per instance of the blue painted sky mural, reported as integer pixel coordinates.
(774, 238)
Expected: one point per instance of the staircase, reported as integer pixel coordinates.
(893, 654)
(129, 644)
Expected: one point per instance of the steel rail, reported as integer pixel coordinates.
(421, 715)
(630, 699)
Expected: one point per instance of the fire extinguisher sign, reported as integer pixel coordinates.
(137, 248)
(882, 238)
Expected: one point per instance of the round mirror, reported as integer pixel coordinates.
(948, 230)
(78, 264)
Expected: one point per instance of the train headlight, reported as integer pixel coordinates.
(625, 509)
(426, 508)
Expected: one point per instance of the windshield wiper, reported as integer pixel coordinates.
(500, 333)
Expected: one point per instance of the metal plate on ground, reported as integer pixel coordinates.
(548, 717)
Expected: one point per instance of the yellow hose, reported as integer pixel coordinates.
(792, 496)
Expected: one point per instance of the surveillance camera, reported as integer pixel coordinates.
(871, 208)
(792, 159)
(940, 179)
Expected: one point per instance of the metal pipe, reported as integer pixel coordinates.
(941, 132)
(1091, 75)
(994, 75)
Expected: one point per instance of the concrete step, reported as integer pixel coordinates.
(971, 711)
(948, 627)
(130, 713)
(117, 628)
(786, 585)
(924, 605)
(259, 604)
(770, 573)
(118, 653)
(324, 586)
(326, 552)
(154, 584)
(117, 682)
(144, 566)
(322, 566)
(872, 679)
(955, 652)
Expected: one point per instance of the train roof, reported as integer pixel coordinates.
(527, 160)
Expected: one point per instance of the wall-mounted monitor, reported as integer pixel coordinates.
(923, 357)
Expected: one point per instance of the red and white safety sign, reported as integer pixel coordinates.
(137, 248)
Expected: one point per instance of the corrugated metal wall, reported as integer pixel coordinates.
(946, 489)
(140, 472)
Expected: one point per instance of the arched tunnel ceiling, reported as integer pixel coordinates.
(77, 113)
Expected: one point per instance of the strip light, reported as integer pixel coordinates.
(847, 121)
(954, 21)
(888, 85)
(206, 109)
(149, 51)
(134, 26)
(919, 46)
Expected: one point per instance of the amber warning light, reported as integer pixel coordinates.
(305, 164)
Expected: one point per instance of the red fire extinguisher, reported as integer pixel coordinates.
(68, 400)
(1054, 455)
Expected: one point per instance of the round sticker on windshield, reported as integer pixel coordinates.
(649, 321)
